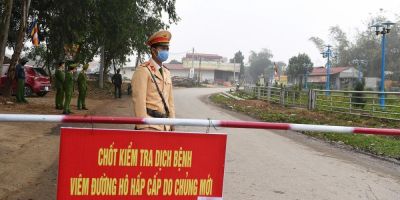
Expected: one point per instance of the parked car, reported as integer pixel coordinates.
(36, 81)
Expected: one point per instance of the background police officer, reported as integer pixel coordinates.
(20, 75)
(82, 88)
(68, 88)
(59, 84)
(117, 81)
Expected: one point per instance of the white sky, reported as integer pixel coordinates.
(284, 26)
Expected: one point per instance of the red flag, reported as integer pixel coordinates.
(35, 34)
(277, 77)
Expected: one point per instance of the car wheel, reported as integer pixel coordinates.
(28, 91)
(41, 94)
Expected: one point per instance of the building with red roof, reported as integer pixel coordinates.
(340, 77)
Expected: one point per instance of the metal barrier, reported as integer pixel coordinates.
(363, 103)
(282, 96)
(195, 122)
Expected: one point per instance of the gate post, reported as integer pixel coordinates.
(312, 99)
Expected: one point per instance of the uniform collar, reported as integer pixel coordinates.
(154, 63)
(156, 69)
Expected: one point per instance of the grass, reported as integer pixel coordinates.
(387, 146)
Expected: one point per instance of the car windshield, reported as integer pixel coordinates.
(40, 71)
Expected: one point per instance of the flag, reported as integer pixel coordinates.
(35, 33)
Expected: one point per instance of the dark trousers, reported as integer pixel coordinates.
(117, 91)
(21, 91)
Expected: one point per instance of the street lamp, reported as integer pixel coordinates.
(328, 53)
(359, 62)
(383, 29)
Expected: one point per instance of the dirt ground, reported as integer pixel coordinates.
(29, 151)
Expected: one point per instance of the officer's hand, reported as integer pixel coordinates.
(172, 128)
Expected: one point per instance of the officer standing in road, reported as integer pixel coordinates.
(59, 83)
(117, 81)
(20, 75)
(152, 86)
(68, 88)
(82, 88)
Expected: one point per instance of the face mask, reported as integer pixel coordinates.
(162, 55)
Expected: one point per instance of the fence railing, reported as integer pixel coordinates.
(363, 103)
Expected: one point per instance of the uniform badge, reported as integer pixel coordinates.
(153, 68)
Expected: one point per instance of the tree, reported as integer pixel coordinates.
(318, 42)
(298, 67)
(174, 62)
(18, 28)
(117, 28)
(238, 58)
(5, 16)
(341, 45)
(358, 99)
(259, 62)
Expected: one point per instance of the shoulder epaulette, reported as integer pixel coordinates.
(145, 64)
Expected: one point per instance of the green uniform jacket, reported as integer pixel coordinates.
(68, 83)
(82, 81)
(59, 79)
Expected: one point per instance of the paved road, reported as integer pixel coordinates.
(260, 164)
(265, 165)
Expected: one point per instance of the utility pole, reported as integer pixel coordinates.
(328, 54)
(383, 29)
(191, 73)
(234, 69)
(199, 77)
(359, 62)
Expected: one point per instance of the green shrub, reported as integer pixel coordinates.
(358, 99)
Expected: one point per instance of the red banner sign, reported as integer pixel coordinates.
(125, 164)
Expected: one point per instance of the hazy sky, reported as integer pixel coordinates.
(283, 26)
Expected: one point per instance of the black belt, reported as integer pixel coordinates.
(156, 114)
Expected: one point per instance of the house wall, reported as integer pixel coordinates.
(206, 75)
(179, 72)
(372, 83)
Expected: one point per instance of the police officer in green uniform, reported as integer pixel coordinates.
(20, 75)
(68, 88)
(82, 88)
(60, 76)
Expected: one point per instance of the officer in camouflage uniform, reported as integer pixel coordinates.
(60, 76)
(20, 75)
(82, 88)
(68, 88)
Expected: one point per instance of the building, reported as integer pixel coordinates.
(211, 68)
(340, 77)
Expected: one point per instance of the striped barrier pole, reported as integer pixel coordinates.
(195, 122)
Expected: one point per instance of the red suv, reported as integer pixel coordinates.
(36, 81)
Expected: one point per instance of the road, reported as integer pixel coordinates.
(260, 164)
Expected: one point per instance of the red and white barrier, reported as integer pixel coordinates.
(194, 122)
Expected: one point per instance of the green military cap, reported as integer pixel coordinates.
(72, 66)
